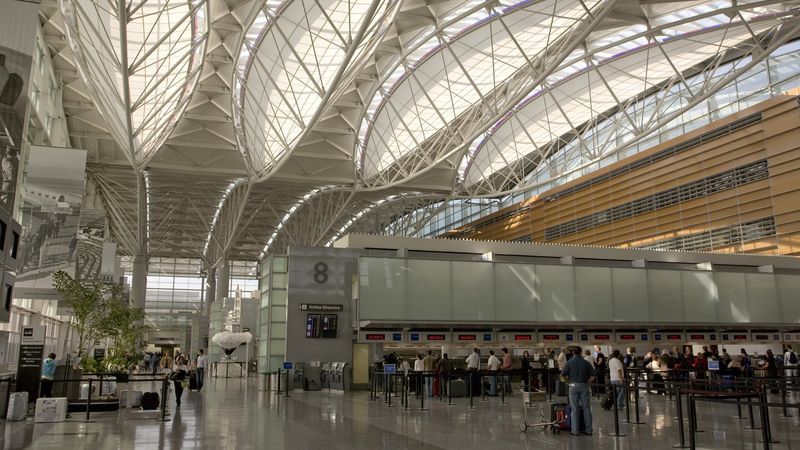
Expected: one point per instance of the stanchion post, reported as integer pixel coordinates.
(279, 383)
(287, 381)
(449, 388)
(469, 390)
(783, 397)
(390, 394)
(766, 428)
(636, 400)
(89, 400)
(692, 429)
(616, 432)
(422, 394)
(502, 388)
(627, 380)
(164, 400)
(679, 405)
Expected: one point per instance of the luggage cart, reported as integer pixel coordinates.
(532, 402)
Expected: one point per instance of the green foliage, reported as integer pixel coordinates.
(100, 312)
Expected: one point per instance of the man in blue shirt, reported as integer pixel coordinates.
(48, 373)
(580, 375)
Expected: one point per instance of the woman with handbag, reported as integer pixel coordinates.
(179, 377)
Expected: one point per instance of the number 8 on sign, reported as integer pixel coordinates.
(321, 272)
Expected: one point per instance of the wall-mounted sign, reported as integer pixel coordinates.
(733, 337)
(697, 336)
(600, 337)
(555, 337)
(428, 337)
(520, 337)
(380, 337)
(668, 336)
(318, 307)
(765, 336)
(466, 337)
(632, 337)
(29, 365)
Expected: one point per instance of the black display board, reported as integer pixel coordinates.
(29, 365)
(99, 354)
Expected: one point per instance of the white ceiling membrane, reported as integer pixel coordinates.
(460, 72)
(291, 62)
(558, 110)
(140, 62)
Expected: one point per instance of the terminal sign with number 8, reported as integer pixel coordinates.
(321, 273)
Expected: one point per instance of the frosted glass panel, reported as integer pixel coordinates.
(515, 292)
(473, 291)
(279, 280)
(556, 288)
(732, 291)
(664, 290)
(278, 330)
(382, 288)
(699, 296)
(279, 297)
(593, 296)
(762, 297)
(789, 294)
(630, 295)
(429, 289)
(279, 264)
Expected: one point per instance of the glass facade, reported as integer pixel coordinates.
(779, 73)
(176, 288)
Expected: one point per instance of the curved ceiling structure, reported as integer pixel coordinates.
(315, 117)
(141, 62)
(293, 66)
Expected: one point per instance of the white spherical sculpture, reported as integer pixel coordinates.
(230, 341)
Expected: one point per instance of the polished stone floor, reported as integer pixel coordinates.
(233, 414)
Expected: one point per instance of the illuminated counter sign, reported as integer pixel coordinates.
(426, 337)
(468, 337)
(595, 337)
(702, 337)
(523, 338)
(668, 337)
(556, 337)
(733, 337)
(766, 337)
(633, 337)
(380, 336)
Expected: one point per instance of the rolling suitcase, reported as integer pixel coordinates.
(458, 388)
(17, 406)
(150, 400)
(193, 381)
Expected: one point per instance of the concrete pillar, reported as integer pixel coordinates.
(211, 291)
(223, 280)
(139, 281)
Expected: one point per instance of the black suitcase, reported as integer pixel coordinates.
(193, 381)
(458, 388)
(150, 400)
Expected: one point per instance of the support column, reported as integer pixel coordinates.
(223, 280)
(211, 290)
(139, 281)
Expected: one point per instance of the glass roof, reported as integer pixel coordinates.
(141, 77)
(562, 109)
(460, 71)
(425, 100)
(290, 59)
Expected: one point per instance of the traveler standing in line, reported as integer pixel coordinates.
(445, 365)
(772, 366)
(580, 375)
(790, 361)
(493, 365)
(616, 372)
(562, 359)
(419, 367)
(177, 376)
(630, 358)
(202, 363)
(726, 358)
(473, 365)
(600, 367)
(506, 371)
(429, 365)
(587, 355)
(526, 370)
(48, 374)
